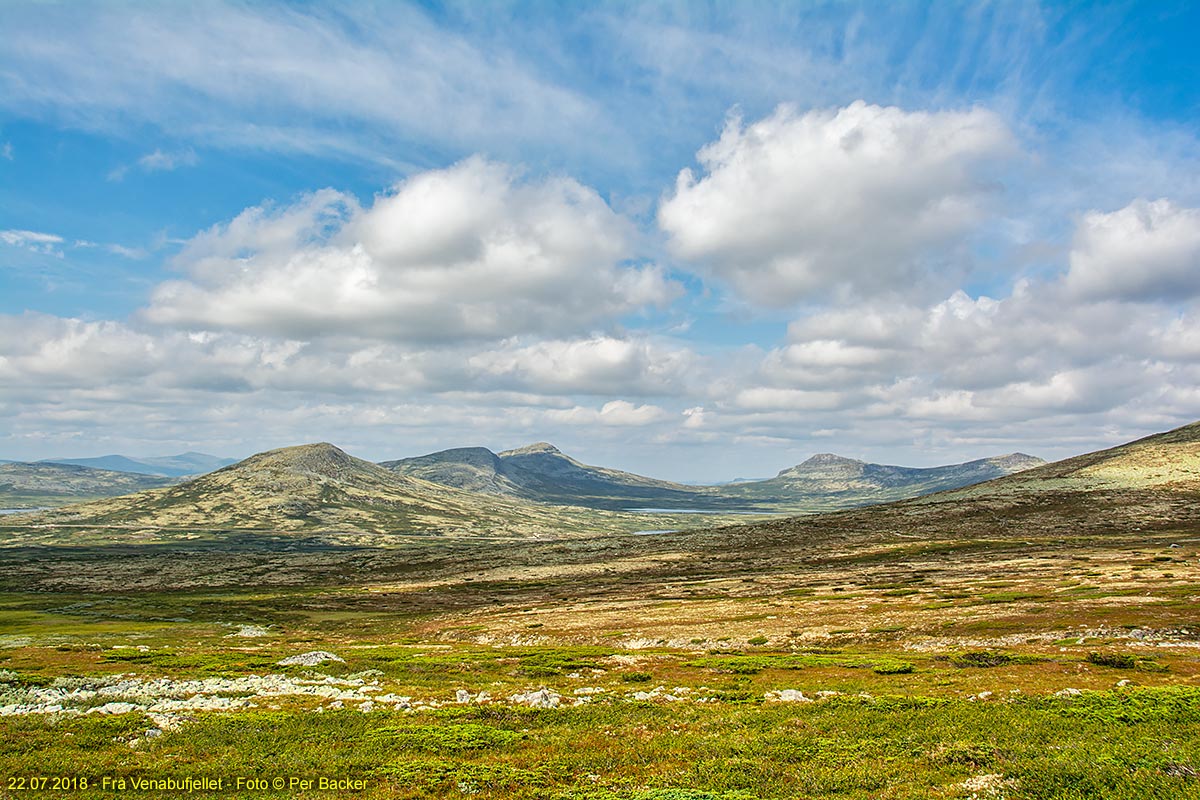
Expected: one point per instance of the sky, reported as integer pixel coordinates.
(700, 241)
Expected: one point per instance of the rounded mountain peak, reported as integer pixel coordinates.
(828, 459)
(823, 466)
(531, 449)
(319, 457)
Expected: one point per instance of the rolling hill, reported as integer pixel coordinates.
(1115, 501)
(1167, 461)
(27, 485)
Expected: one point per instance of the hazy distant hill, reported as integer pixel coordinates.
(25, 485)
(541, 472)
(167, 466)
(318, 487)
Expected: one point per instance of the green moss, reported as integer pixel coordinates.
(986, 659)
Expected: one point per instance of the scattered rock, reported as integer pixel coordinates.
(310, 659)
(249, 632)
(1068, 692)
(787, 696)
(115, 708)
(991, 785)
(542, 698)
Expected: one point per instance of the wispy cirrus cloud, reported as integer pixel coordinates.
(157, 160)
(35, 241)
(275, 76)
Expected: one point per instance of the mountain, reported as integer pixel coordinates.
(475, 469)
(24, 485)
(549, 475)
(829, 481)
(543, 473)
(318, 487)
(168, 466)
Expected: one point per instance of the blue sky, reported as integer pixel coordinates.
(914, 233)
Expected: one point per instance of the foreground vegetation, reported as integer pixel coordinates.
(1073, 676)
(1035, 639)
(1136, 744)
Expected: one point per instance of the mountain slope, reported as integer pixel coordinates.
(547, 474)
(475, 469)
(168, 466)
(1168, 461)
(25, 485)
(318, 487)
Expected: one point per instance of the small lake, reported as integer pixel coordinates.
(651, 533)
(21, 510)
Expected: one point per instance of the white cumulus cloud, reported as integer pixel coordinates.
(469, 252)
(619, 413)
(796, 205)
(1145, 251)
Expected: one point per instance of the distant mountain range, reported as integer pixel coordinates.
(828, 482)
(25, 485)
(318, 487)
(538, 473)
(542, 473)
(166, 466)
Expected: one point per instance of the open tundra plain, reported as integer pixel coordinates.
(1034, 636)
